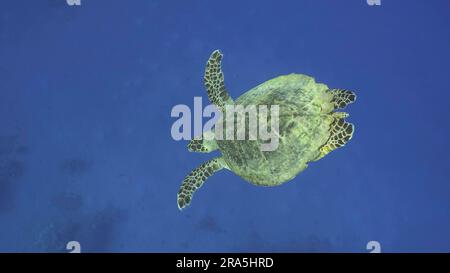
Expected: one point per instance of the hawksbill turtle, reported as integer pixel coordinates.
(309, 128)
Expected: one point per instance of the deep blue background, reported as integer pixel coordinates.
(86, 152)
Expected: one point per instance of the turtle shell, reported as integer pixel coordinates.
(305, 115)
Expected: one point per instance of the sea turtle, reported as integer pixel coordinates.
(309, 128)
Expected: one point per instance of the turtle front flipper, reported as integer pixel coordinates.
(340, 133)
(195, 180)
(342, 98)
(204, 144)
(214, 81)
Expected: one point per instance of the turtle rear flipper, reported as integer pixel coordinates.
(195, 180)
(214, 81)
(340, 133)
(342, 98)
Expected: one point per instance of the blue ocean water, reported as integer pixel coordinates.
(86, 152)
